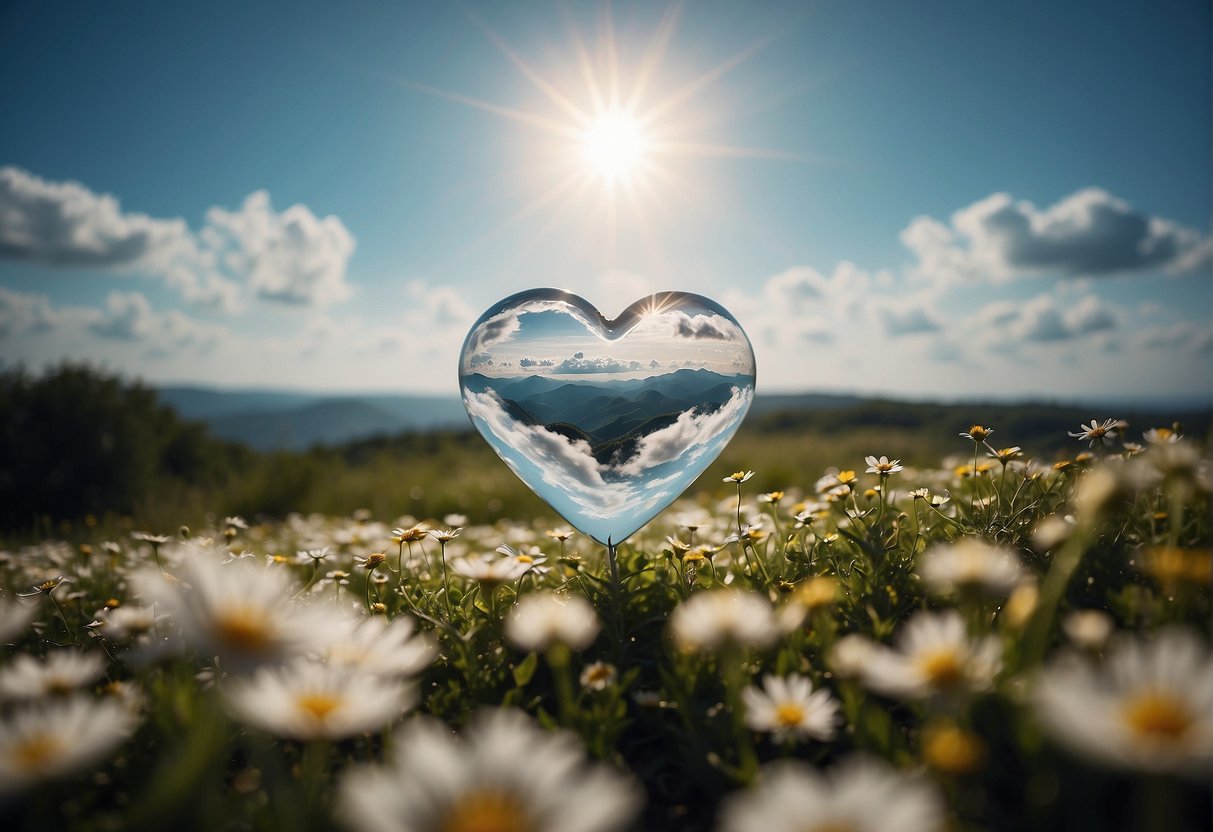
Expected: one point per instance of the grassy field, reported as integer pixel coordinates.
(854, 620)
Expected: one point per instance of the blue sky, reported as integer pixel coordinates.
(941, 199)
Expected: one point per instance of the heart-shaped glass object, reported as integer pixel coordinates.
(607, 421)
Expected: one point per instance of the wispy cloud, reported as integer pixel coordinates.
(126, 317)
(578, 363)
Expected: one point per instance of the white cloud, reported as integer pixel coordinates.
(691, 435)
(578, 363)
(289, 257)
(21, 312)
(907, 318)
(293, 257)
(64, 223)
(528, 363)
(127, 317)
(802, 307)
(1090, 232)
(1043, 319)
(703, 327)
(1183, 336)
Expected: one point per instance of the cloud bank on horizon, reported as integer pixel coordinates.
(872, 325)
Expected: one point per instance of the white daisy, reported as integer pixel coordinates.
(490, 571)
(437, 783)
(971, 564)
(15, 616)
(1148, 707)
(533, 557)
(239, 611)
(126, 622)
(849, 655)
(1088, 628)
(542, 619)
(858, 795)
(1096, 433)
(51, 740)
(707, 620)
(372, 644)
(883, 466)
(934, 655)
(789, 707)
(598, 676)
(309, 700)
(60, 672)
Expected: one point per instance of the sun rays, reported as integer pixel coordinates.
(612, 138)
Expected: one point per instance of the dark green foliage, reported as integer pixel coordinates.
(75, 441)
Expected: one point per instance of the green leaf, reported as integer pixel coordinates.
(525, 669)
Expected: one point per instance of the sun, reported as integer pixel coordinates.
(612, 137)
(614, 145)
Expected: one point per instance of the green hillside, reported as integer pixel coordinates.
(77, 442)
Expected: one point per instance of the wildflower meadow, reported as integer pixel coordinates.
(994, 643)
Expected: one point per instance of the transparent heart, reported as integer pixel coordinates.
(607, 421)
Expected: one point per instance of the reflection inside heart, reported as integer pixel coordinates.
(607, 421)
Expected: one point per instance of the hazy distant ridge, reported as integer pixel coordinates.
(267, 419)
(270, 420)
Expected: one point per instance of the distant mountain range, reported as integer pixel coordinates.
(270, 420)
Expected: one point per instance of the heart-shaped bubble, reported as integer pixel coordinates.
(607, 421)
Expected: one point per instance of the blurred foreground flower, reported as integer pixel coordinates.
(240, 612)
(971, 564)
(1148, 707)
(372, 644)
(542, 619)
(308, 700)
(708, 620)
(49, 741)
(859, 794)
(490, 572)
(437, 783)
(60, 672)
(934, 656)
(15, 616)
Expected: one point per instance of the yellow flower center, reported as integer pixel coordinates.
(951, 749)
(789, 714)
(599, 674)
(1158, 716)
(943, 669)
(58, 686)
(817, 592)
(525, 559)
(318, 705)
(487, 810)
(244, 628)
(34, 752)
